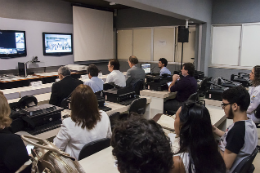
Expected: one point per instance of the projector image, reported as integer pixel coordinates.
(77, 67)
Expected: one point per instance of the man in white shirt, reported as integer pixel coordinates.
(240, 139)
(95, 83)
(162, 64)
(115, 76)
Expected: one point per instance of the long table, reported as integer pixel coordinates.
(158, 99)
(104, 161)
(115, 107)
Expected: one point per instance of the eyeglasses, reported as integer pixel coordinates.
(223, 105)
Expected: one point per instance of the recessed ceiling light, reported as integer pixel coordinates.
(112, 3)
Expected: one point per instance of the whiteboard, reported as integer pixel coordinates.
(250, 53)
(225, 45)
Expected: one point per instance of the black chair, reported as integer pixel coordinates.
(27, 101)
(246, 166)
(94, 147)
(113, 119)
(138, 106)
(204, 86)
(193, 97)
(138, 86)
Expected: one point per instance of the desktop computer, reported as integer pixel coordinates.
(22, 69)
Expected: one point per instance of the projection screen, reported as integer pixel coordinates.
(92, 34)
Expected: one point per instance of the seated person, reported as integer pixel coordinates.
(95, 83)
(62, 89)
(197, 143)
(115, 76)
(140, 145)
(240, 139)
(254, 92)
(185, 87)
(134, 74)
(13, 151)
(85, 125)
(162, 65)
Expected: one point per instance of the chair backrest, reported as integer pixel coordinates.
(27, 101)
(113, 119)
(94, 147)
(245, 165)
(204, 85)
(138, 86)
(257, 112)
(193, 97)
(138, 106)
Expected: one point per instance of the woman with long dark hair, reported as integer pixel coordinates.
(86, 123)
(198, 148)
(254, 93)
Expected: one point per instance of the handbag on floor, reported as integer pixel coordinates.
(47, 158)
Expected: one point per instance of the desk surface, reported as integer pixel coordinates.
(157, 94)
(115, 108)
(104, 161)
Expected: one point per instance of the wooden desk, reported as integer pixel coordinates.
(157, 99)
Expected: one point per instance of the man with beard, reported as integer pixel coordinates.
(240, 139)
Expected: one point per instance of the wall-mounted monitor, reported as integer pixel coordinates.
(57, 44)
(12, 44)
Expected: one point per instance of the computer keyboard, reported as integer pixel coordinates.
(104, 108)
(127, 102)
(46, 127)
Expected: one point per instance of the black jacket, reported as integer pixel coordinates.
(13, 153)
(62, 89)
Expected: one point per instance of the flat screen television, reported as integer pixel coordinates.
(57, 44)
(12, 44)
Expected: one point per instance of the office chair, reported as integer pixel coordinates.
(27, 101)
(114, 118)
(193, 97)
(205, 85)
(246, 166)
(138, 106)
(94, 147)
(138, 86)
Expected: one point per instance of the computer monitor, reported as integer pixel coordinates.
(12, 44)
(147, 68)
(57, 44)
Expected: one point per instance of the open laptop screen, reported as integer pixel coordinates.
(147, 68)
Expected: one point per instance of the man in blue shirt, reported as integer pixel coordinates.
(162, 65)
(95, 83)
(185, 87)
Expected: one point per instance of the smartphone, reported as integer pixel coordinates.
(29, 148)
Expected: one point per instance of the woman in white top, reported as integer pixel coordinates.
(85, 125)
(254, 92)
(115, 76)
(198, 148)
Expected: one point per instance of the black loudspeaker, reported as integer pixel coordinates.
(183, 34)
